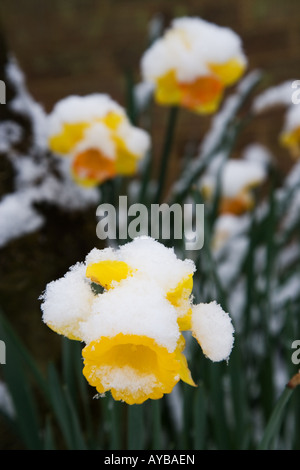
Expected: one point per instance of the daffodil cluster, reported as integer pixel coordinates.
(130, 307)
(193, 63)
(95, 133)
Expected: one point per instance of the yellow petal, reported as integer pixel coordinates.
(185, 373)
(106, 273)
(167, 91)
(180, 299)
(228, 72)
(69, 331)
(291, 140)
(126, 161)
(112, 120)
(184, 321)
(66, 140)
(182, 290)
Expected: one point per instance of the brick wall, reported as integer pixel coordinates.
(84, 46)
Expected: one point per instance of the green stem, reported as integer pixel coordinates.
(131, 109)
(114, 411)
(271, 252)
(135, 427)
(169, 137)
(219, 417)
(108, 193)
(156, 410)
(145, 178)
(277, 415)
(200, 403)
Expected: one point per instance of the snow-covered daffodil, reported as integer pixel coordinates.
(130, 306)
(193, 63)
(96, 134)
(237, 179)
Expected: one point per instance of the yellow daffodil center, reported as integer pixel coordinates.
(242, 202)
(91, 167)
(237, 205)
(203, 94)
(107, 273)
(134, 368)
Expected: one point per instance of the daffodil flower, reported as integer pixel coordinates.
(238, 178)
(226, 226)
(132, 329)
(95, 133)
(133, 367)
(290, 135)
(193, 63)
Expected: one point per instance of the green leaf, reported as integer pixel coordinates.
(64, 411)
(200, 418)
(278, 414)
(21, 391)
(167, 147)
(136, 427)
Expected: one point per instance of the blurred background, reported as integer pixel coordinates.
(86, 46)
